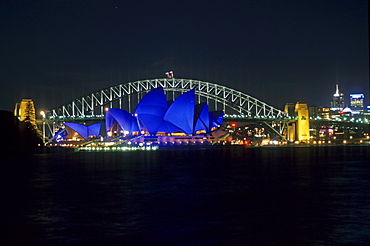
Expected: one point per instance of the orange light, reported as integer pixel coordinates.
(247, 142)
(233, 124)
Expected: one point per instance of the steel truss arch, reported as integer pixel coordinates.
(93, 104)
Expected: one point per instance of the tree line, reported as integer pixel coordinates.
(18, 136)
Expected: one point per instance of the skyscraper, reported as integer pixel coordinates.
(357, 103)
(337, 103)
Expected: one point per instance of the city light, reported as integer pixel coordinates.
(326, 125)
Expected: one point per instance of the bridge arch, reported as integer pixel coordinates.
(127, 95)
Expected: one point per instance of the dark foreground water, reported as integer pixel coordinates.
(219, 196)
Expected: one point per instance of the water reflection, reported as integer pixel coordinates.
(225, 196)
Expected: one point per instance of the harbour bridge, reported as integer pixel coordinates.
(92, 106)
(127, 95)
(236, 105)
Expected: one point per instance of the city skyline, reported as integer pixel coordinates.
(346, 97)
(277, 52)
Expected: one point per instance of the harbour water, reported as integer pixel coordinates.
(213, 196)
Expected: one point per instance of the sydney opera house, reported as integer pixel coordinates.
(155, 120)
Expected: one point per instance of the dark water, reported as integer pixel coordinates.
(221, 196)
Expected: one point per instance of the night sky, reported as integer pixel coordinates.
(277, 51)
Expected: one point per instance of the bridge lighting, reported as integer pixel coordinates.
(79, 105)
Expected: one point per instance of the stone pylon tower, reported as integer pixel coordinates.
(25, 111)
(303, 122)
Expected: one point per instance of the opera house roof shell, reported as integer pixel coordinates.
(85, 131)
(153, 115)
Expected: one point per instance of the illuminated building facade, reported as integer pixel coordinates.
(84, 131)
(357, 103)
(290, 109)
(367, 110)
(25, 111)
(154, 117)
(291, 131)
(320, 112)
(299, 127)
(303, 122)
(337, 103)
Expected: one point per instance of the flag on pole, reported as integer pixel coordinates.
(169, 74)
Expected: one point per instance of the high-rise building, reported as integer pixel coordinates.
(367, 110)
(337, 103)
(357, 103)
(319, 111)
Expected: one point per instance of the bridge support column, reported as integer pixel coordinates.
(291, 131)
(303, 122)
